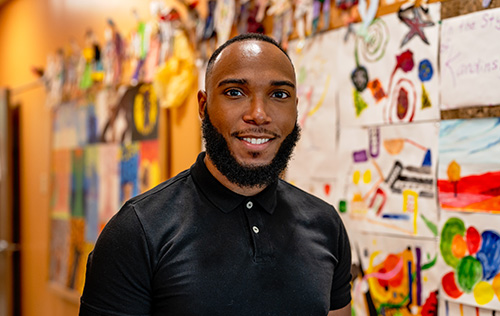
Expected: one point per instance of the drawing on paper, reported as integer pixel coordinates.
(389, 183)
(391, 69)
(469, 169)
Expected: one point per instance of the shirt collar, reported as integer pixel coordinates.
(225, 199)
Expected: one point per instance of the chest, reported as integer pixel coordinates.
(245, 262)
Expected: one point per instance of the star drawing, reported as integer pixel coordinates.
(416, 25)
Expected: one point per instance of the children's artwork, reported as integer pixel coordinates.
(77, 183)
(389, 68)
(145, 113)
(59, 251)
(91, 185)
(109, 182)
(397, 276)
(449, 308)
(149, 165)
(315, 65)
(389, 178)
(469, 165)
(129, 165)
(77, 257)
(65, 126)
(469, 66)
(470, 265)
(61, 183)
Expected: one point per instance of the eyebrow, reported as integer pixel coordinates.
(244, 81)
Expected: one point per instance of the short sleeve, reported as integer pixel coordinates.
(118, 277)
(340, 294)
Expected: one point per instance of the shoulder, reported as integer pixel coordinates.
(305, 203)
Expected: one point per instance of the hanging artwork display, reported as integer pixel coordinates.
(468, 65)
(470, 259)
(389, 68)
(469, 168)
(96, 167)
(449, 308)
(398, 276)
(317, 79)
(389, 182)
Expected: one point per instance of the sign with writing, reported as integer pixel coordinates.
(470, 62)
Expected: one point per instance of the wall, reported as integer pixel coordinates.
(29, 31)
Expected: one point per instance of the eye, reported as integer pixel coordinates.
(233, 93)
(280, 94)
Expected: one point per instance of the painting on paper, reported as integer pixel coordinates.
(389, 180)
(469, 66)
(59, 251)
(397, 276)
(470, 258)
(450, 308)
(64, 126)
(317, 79)
(389, 68)
(77, 183)
(91, 184)
(469, 165)
(129, 166)
(109, 182)
(145, 113)
(149, 165)
(61, 183)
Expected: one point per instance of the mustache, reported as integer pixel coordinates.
(256, 130)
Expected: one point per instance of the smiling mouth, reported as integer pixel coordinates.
(256, 141)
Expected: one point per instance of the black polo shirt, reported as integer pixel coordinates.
(191, 246)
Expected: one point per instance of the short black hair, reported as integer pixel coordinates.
(241, 38)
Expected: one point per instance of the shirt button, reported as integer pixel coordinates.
(255, 229)
(249, 204)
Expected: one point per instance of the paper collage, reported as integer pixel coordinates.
(389, 69)
(469, 66)
(315, 66)
(469, 261)
(389, 182)
(399, 276)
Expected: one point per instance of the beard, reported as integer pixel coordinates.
(246, 175)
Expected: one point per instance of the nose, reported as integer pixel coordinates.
(257, 112)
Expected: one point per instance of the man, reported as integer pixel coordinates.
(227, 236)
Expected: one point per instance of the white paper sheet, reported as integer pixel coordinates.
(469, 60)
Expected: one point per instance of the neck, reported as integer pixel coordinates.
(245, 191)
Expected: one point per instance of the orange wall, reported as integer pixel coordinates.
(29, 31)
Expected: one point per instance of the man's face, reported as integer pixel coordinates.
(251, 99)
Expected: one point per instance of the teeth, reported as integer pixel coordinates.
(256, 141)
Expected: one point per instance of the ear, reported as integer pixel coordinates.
(202, 103)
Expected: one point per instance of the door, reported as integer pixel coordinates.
(9, 208)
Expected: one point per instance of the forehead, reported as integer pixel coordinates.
(251, 56)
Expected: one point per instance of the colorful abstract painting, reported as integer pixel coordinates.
(397, 276)
(469, 66)
(470, 258)
(149, 165)
(389, 68)
(389, 178)
(317, 79)
(469, 165)
(64, 126)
